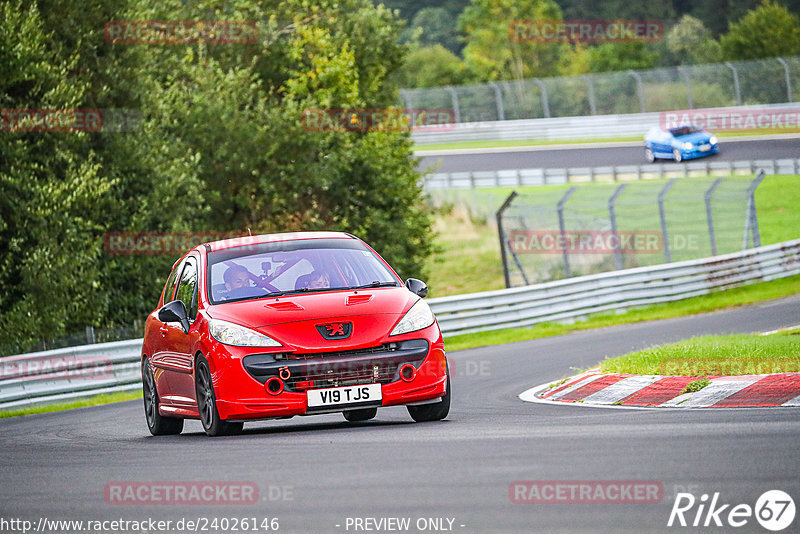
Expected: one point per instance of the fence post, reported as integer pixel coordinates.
(736, 87)
(454, 100)
(562, 228)
(789, 93)
(613, 216)
(590, 88)
(406, 99)
(501, 235)
(90, 337)
(498, 100)
(639, 89)
(710, 216)
(685, 76)
(751, 219)
(662, 215)
(545, 101)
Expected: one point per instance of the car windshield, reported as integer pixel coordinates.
(280, 268)
(684, 130)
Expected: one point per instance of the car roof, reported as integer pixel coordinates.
(214, 246)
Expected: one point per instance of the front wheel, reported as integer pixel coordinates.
(648, 155)
(676, 154)
(157, 423)
(435, 411)
(207, 403)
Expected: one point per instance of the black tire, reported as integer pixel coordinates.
(676, 154)
(157, 423)
(364, 414)
(435, 411)
(207, 403)
(648, 155)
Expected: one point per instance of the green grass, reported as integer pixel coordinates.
(706, 303)
(91, 401)
(732, 355)
(697, 385)
(778, 208)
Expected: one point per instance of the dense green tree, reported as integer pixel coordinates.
(767, 31)
(432, 26)
(431, 66)
(621, 56)
(221, 145)
(407, 9)
(492, 54)
(690, 41)
(50, 189)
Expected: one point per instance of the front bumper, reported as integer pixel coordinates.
(241, 383)
(695, 152)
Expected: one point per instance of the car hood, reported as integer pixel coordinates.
(293, 319)
(694, 138)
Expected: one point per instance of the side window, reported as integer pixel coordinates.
(187, 288)
(169, 288)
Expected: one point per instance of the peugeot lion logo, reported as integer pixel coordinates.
(335, 330)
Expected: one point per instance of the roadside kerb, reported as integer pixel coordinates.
(593, 388)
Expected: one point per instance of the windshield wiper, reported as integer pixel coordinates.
(376, 283)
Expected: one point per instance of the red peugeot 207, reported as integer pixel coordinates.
(279, 325)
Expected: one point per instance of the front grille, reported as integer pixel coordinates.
(344, 374)
(381, 349)
(338, 368)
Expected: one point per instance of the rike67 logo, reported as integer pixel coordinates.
(774, 510)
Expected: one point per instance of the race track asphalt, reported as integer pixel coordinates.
(578, 156)
(314, 473)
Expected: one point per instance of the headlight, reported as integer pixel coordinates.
(713, 140)
(686, 146)
(418, 317)
(237, 335)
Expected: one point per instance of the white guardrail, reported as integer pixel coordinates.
(532, 177)
(72, 373)
(583, 127)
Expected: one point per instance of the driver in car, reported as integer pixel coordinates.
(236, 277)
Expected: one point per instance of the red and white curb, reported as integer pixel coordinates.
(594, 388)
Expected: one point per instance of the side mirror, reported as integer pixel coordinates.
(174, 312)
(417, 287)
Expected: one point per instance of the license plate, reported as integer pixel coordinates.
(344, 395)
(705, 148)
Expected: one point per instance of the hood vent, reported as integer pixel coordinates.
(284, 305)
(352, 300)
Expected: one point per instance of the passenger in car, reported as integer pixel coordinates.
(313, 280)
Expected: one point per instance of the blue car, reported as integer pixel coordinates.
(683, 142)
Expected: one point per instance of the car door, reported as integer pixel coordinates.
(177, 357)
(160, 335)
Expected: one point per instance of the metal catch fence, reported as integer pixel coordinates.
(765, 81)
(555, 234)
